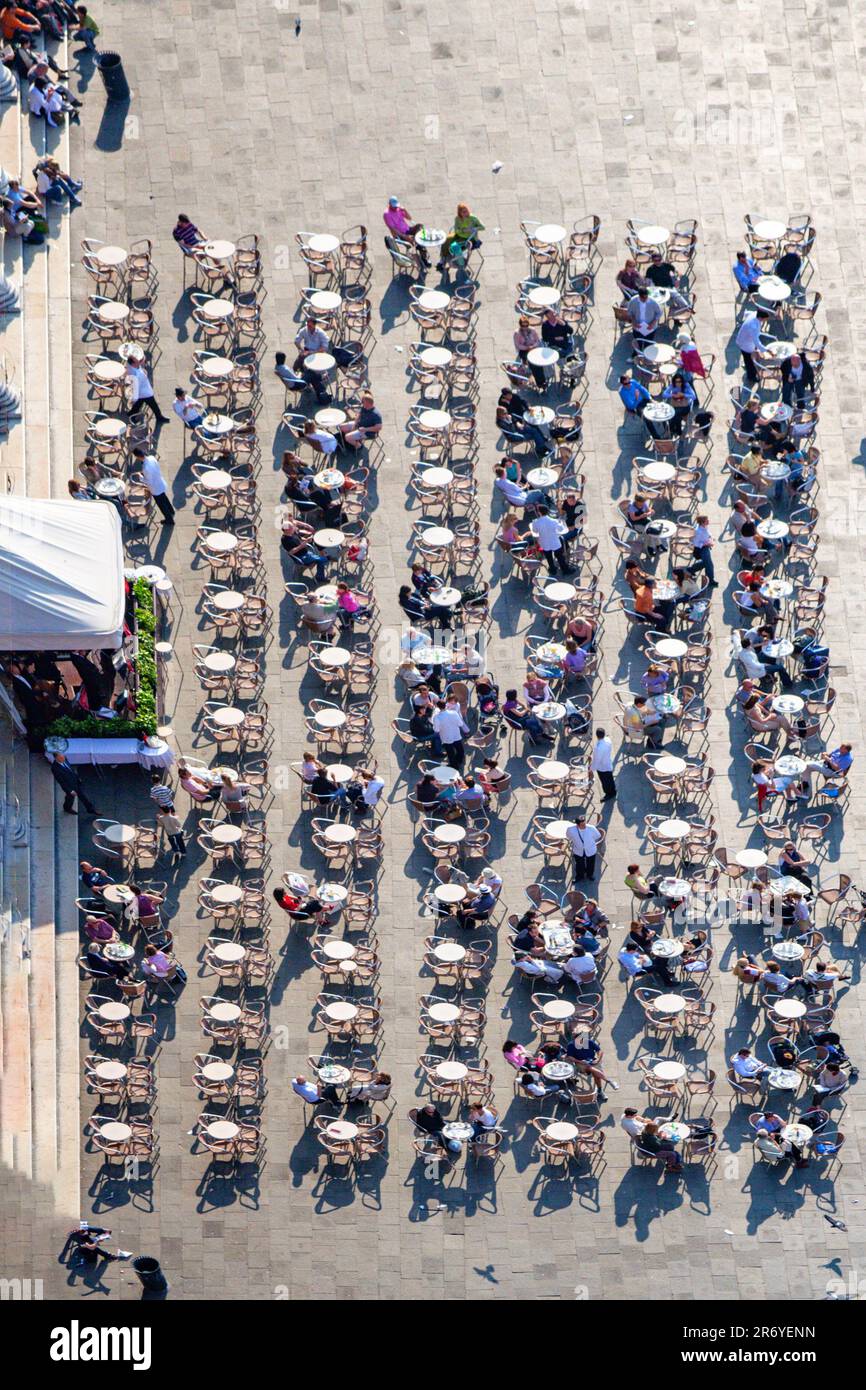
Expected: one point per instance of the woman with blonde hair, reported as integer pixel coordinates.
(525, 339)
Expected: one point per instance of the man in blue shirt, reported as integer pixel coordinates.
(747, 273)
(633, 395)
(840, 760)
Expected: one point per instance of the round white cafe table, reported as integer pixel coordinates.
(335, 656)
(227, 600)
(113, 1013)
(558, 1009)
(675, 888)
(326, 594)
(674, 829)
(560, 592)
(433, 656)
(659, 294)
(219, 661)
(557, 829)
(222, 1130)
(116, 893)
(436, 477)
(772, 289)
(112, 311)
(341, 1012)
(789, 765)
(779, 887)
(326, 301)
(779, 647)
(669, 1071)
(789, 1008)
(796, 1134)
(776, 410)
(662, 527)
(659, 411)
(449, 951)
(542, 477)
(215, 480)
(787, 704)
(550, 712)
(342, 1130)
(119, 834)
(451, 1071)
(434, 301)
(769, 230)
(109, 487)
(674, 1129)
(329, 718)
(665, 588)
(652, 234)
(665, 704)
(217, 1071)
(775, 473)
(224, 1012)
(552, 771)
(340, 834)
(333, 1074)
(227, 834)
(319, 362)
(109, 428)
(777, 588)
(558, 1070)
(218, 250)
(544, 296)
(329, 478)
(330, 418)
(658, 472)
(445, 598)
(543, 357)
(666, 948)
(658, 353)
(430, 236)
(540, 415)
(444, 1013)
(788, 950)
(323, 243)
(216, 367)
(445, 775)
(551, 651)
(217, 309)
(228, 718)
(329, 538)
(562, 1132)
(230, 952)
(671, 648)
(110, 1071)
(449, 893)
(435, 356)
(751, 858)
(438, 536)
(115, 1132)
(111, 255)
(669, 765)
(332, 892)
(221, 542)
(227, 893)
(550, 233)
(669, 1004)
(434, 419)
(449, 834)
(106, 369)
(339, 950)
(784, 1078)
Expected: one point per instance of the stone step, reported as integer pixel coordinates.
(67, 1175)
(15, 1095)
(13, 467)
(43, 1004)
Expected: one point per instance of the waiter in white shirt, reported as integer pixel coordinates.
(748, 340)
(602, 763)
(309, 340)
(584, 840)
(141, 392)
(148, 465)
(548, 531)
(450, 725)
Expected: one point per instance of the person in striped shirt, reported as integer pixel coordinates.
(160, 792)
(187, 234)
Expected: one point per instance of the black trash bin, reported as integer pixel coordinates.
(149, 1272)
(113, 76)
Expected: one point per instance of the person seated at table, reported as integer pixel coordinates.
(298, 546)
(93, 878)
(586, 1054)
(349, 605)
(629, 280)
(580, 630)
(648, 609)
(829, 1080)
(639, 512)
(195, 786)
(682, 397)
(663, 275)
(510, 418)
(432, 1122)
(517, 1056)
(314, 1092)
(301, 909)
(634, 576)
(426, 790)
(752, 599)
(475, 910)
(421, 729)
(760, 719)
(379, 1088)
(534, 966)
(788, 267)
(748, 417)
(557, 334)
(310, 339)
(367, 423)
(838, 763)
(466, 664)
(773, 981)
(758, 668)
(292, 380)
(642, 935)
(510, 537)
(536, 689)
(634, 395)
(636, 962)
(746, 969)
(639, 714)
(768, 1146)
(99, 929)
(423, 580)
(580, 966)
(793, 864)
(747, 273)
(650, 1141)
(746, 1066)
(321, 440)
(772, 439)
(491, 775)
(575, 659)
(655, 679)
(538, 1087)
(519, 714)
(751, 466)
(821, 978)
(416, 606)
(798, 380)
(525, 340)
(469, 795)
(102, 965)
(187, 234)
(482, 1119)
(324, 787)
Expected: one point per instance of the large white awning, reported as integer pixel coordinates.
(61, 575)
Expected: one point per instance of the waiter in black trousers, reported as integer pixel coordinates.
(70, 783)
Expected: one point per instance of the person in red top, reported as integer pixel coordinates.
(14, 21)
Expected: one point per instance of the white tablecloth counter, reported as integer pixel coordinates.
(99, 751)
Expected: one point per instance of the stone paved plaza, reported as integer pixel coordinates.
(659, 111)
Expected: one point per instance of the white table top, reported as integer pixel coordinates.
(449, 951)
(789, 765)
(335, 656)
(342, 1130)
(788, 950)
(329, 537)
(430, 236)
(776, 410)
(218, 250)
(230, 952)
(110, 1071)
(111, 255)
(228, 717)
(674, 829)
(751, 858)
(560, 592)
(557, 829)
(333, 1074)
(779, 348)
(562, 1132)
(114, 1013)
(451, 1071)
(340, 1011)
(659, 410)
(108, 370)
(325, 300)
(784, 1079)
(669, 1003)
(444, 1013)
(329, 478)
(110, 428)
(558, 1070)
(782, 646)
(227, 834)
(552, 771)
(769, 229)
(227, 893)
(550, 712)
(109, 487)
(434, 419)
(432, 656)
(545, 296)
(116, 893)
(669, 766)
(551, 651)
(665, 704)
(115, 1132)
(219, 661)
(436, 356)
(341, 834)
(557, 1008)
(773, 290)
(542, 477)
(449, 892)
(449, 834)
(119, 834)
(445, 598)
(785, 883)
(221, 542)
(434, 300)
(444, 774)
(112, 311)
(540, 415)
(323, 243)
(217, 1071)
(438, 536)
(652, 234)
(332, 892)
(787, 704)
(669, 1071)
(216, 366)
(658, 472)
(777, 588)
(549, 232)
(227, 600)
(339, 950)
(329, 718)
(674, 1129)
(222, 1129)
(319, 361)
(215, 479)
(666, 948)
(543, 356)
(789, 1008)
(225, 1012)
(659, 352)
(436, 477)
(675, 888)
(217, 308)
